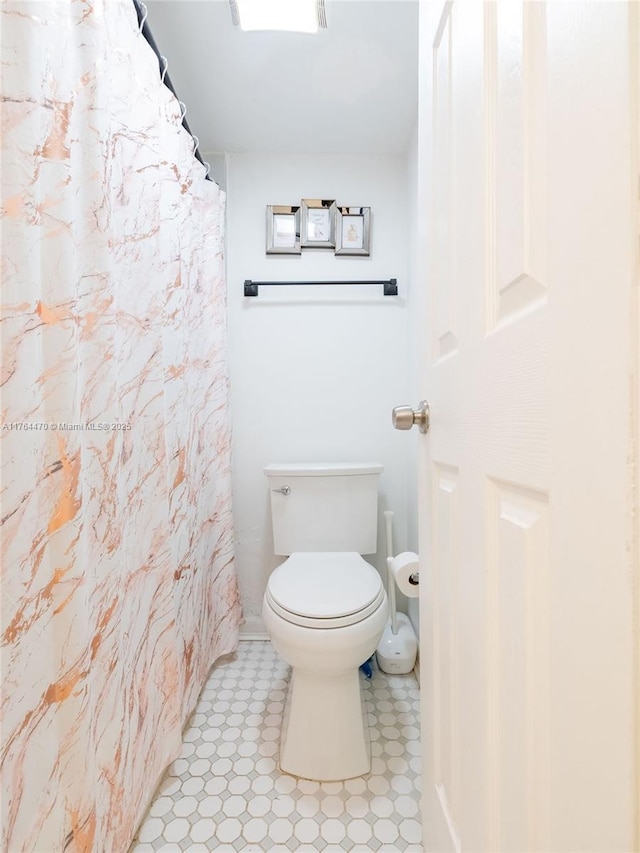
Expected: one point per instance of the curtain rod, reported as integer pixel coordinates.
(146, 32)
(390, 286)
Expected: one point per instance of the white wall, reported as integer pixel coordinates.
(218, 164)
(315, 372)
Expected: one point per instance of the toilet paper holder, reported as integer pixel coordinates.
(404, 573)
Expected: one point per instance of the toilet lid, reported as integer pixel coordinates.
(324, 585)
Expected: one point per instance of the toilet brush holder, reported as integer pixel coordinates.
(396, 653)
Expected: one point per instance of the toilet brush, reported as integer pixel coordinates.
(398, 647)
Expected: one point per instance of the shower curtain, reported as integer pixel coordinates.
(118, 585)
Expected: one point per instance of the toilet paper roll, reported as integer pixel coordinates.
(401, 568)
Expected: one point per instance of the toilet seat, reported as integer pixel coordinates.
(325, 590)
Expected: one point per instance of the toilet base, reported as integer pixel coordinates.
(325, 737)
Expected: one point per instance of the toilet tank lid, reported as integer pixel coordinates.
(321, 469)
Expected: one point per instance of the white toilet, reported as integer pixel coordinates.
(325, 609)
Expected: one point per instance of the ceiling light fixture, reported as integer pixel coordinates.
(298, 16)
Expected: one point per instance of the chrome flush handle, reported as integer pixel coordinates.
(285, 490)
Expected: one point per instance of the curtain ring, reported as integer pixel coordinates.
(183, 109)
(196, 142)
(145, 12)
(164, 70)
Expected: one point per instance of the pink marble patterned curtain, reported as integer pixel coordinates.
(118, 586)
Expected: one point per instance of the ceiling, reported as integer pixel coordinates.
(351, 88)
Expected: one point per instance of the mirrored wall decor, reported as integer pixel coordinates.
(352, 230)
(318, 223)
(283, 229)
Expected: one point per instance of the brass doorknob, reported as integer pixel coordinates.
(404, 417)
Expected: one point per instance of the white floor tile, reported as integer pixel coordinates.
(225, 792)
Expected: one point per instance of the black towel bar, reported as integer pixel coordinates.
(390, 286)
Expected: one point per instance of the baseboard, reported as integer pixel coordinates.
(253, 636)
(253, 628)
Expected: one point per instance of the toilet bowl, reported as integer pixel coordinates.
(325, 614)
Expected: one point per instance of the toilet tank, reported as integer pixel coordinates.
(324, 507)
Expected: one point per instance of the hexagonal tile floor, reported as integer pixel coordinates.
(226, 793)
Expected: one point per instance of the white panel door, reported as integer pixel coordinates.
(528, 183)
